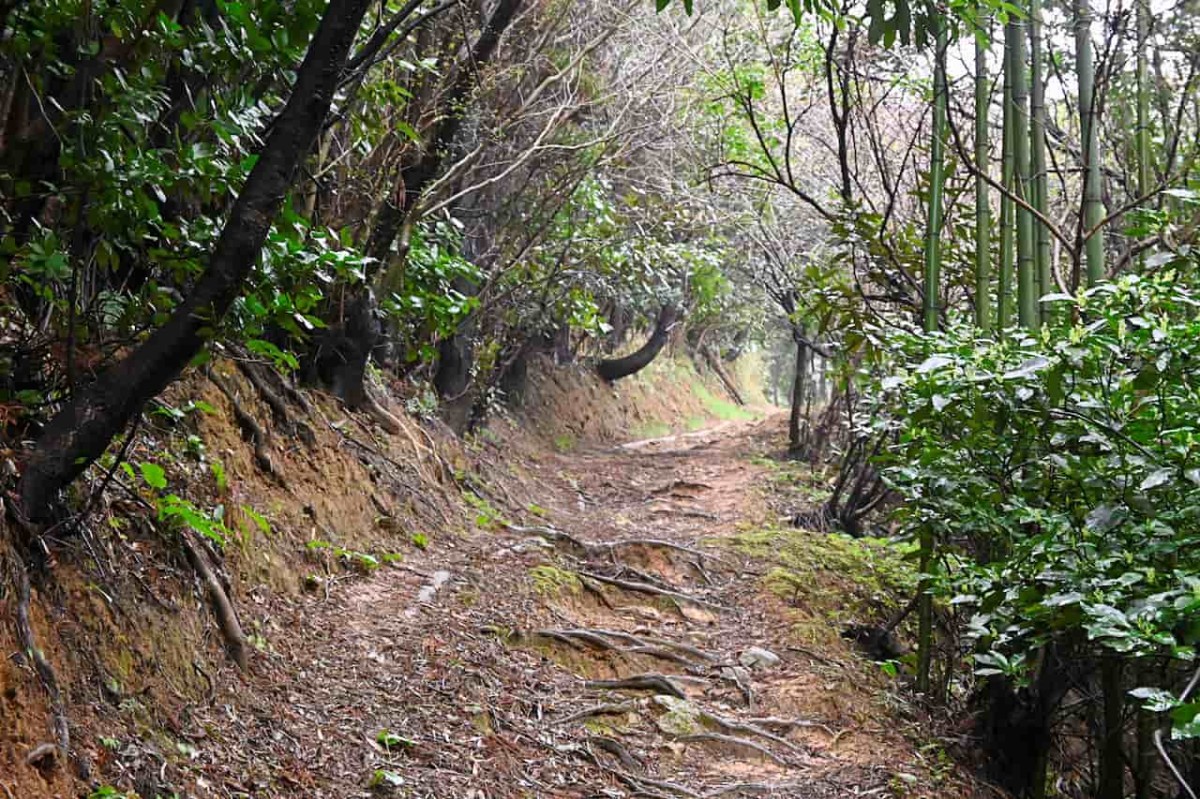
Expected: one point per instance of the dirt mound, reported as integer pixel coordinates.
(567, 406)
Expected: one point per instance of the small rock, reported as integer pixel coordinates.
(681, 718)
(756, 657)
(427, 592)
(532, 544)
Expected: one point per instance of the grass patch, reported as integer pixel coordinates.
(695, 423)
(552, 581)
(653, 430)
(833, 578)
(486, 515)
(564, 442)
(721, 408)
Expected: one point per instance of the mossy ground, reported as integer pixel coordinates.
(551, 581)
(832, 580)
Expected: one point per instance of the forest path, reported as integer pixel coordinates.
(617, 648)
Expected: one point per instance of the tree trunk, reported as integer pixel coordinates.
(1143, 101)
(983, 207)
(1111, 783)
(799, 384)
(396, 211)
(617, 368)
(937, 183)
(1040, 186)
(1093, 206)
(1004, 298)
(415, 178)
(1026, 279)
(81, 431)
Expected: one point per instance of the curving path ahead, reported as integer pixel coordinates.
(609, 644)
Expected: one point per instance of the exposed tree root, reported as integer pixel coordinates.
(646, 577)
(596, 591)
(641, 785)
(599, 639)
(640, 682)
(381, 414)
(690, 513)
(268, 395)
(566, 541)
(589, 550)
(731, 740)
(660, 653)
(603, 709)
(249, 425)
(615, 749)
(787, 725)
(45, 672)
(222, 607)
(645, 588)
(655, 543)
(643, 640)
(748, 728)
(676, 485)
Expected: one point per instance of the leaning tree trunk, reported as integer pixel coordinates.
(81, 431)
(983, 204)
(1093, 203)
(799, 384)
(395, 216)
(617, 368)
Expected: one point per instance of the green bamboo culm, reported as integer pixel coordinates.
(1027, 313)
(1004, 299)
(983, 208)
(933, 263)
(1144, 163)
(1093, 208)
(937, 181)
(1039, 197)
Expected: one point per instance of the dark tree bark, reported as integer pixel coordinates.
(799, 388)
(1111, 782)
(416, 177)
(617, 368)
(455, 354)
(82, 430)
(1014, 723)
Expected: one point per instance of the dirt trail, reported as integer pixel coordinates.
(613, 647)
